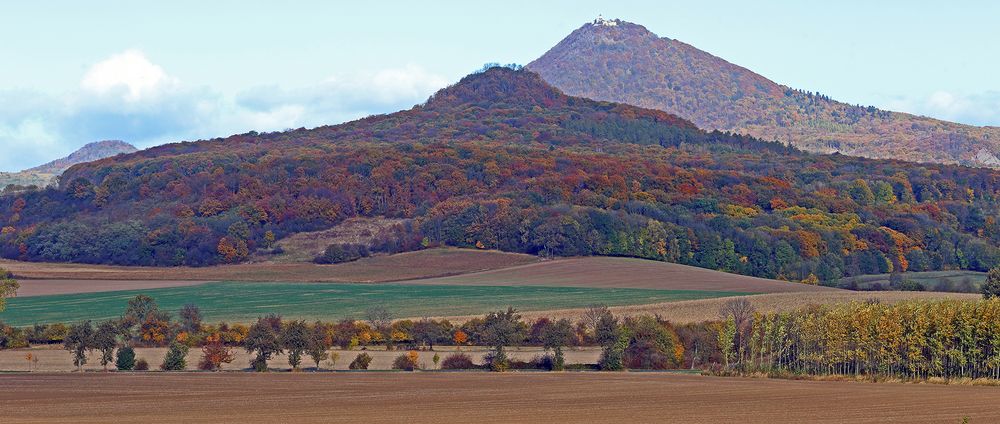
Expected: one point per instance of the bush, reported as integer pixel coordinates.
(652, 345)
(406, 361)
(339, 253)
(125, 359)
(175, 359)
(458, 361)
(141, 365)
(361, 362)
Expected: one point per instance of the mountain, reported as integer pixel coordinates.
(623, 62)
(502, 160)
(46, 174)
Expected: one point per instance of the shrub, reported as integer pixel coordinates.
(652, 345)
(175, 359)
(547, 363)
(458, 361)
(406, 361)
(141, 365)
(125, 359)
(339, 253)
(361, 362)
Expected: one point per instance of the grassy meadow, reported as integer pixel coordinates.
(244, 302)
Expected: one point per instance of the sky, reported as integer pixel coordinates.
(73, 72)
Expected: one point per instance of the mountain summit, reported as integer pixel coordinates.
(625, 62)
(46, 174)
(90, 152)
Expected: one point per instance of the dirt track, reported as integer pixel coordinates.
(479, 397)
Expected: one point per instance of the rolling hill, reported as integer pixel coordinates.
(46, 174)
(623, 62)
(502, 160)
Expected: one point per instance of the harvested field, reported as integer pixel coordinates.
(479, 397)
(53, 358)
(688, 311)
(403, 266)
(607, 272)
(46, 287)
(244, 302)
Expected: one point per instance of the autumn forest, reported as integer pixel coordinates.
(502, 160)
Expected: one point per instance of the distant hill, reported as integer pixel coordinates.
(504, 161)
(623, 62)
(46, 174)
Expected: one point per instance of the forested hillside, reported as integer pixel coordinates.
(502, 160)
(624, 62)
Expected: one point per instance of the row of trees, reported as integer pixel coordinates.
(914, 340)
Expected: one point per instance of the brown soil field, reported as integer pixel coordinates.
(54, 359)
(479, 397)
(403, 266)
(689, 311)
(610, 272)
(45, 287)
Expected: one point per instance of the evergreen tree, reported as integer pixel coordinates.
(176, 359)
(125, 359)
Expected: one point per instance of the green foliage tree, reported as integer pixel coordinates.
(555, 337)
(319, 343)
(609, 335)
(106, 340)
(500, 329)
(991, 287)
(295, 339)
(79, 340)
(861, 193)
(125, 359)
(176, 359)
(264, 341)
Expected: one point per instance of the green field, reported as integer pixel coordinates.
(947, 281)
(244, 302)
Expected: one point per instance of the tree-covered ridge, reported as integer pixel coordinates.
(554, 175)
(629, 64)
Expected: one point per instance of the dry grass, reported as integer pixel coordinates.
(479, 397)
(689, 311)
(611, 272)
(404, 266)
(303, 247)
(54, 359)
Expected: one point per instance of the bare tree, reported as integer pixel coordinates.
(740, 310)
(593, 315)
(379, 317)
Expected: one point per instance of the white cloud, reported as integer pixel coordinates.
(973, 109)
(131, 98)
(129, 74)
